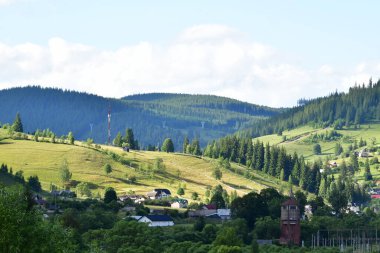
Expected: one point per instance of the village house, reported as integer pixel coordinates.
(135, 198)
(224, 214)
(64, 194)
(179, 203)
(159, 194)
(363, 153)
(332, 164)
(157, 220)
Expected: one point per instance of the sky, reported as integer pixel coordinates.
(263, 52)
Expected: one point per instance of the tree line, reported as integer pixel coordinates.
(360, 105)
(314, 177)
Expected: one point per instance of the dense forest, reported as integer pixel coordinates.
(153, 117)
(360, 105)
(314, 177)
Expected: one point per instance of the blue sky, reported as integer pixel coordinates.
(255, 51)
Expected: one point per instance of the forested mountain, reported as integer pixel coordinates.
(360, 105)
(153, 117)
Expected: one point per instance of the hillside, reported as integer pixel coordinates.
(153, 117)
(86, 164)
(360, 105)
(302, 139)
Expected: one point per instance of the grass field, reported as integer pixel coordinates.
(295, 139)
(295, 143)
(86, 164)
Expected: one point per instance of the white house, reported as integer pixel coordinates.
(224, 214)
(157, 220)
(363, 153)
(179, 203)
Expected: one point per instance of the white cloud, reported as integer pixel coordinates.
(207, 59)
(9, 2)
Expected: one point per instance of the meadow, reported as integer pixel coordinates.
(86, 163)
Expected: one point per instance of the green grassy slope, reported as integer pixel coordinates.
(296, 141)
(86, 164)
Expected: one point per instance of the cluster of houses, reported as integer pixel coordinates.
(160, 220)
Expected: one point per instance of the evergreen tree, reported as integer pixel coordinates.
(195, 147)
(338, 149)
(322, 188)
(296, 172)
(130, 139)
(317, 149)
(168, 146)
(185, 144)
(367, 173)
(70, 137)
(110, 195)
(354, 163)
(17, 124)
(118, 141)
(34, 183)
(181, 191)
(267, 158)
(217, 173)
(343, 169)
(107, 168)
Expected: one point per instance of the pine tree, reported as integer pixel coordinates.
(282, 175)
(367, 174)
(118, 141)
(195, 147)
(17, 124)
(168, 145)
(70, 137)
(130, 139)
(354, 162)
(322, 188)
(296, 172)
(185, 144)
(266, 158)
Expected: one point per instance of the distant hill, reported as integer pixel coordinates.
(360, 105)
(153, 117)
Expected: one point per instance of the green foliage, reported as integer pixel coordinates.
(110, 195)
(181, 191)
(338, 149)
(22, 228)
(107, 168)
(167, 145)
(217, 173)
(227, 237)
(64, 172)
(267, 228)
(118, 141)
(70, 138)
(194, 196)
(358, 106)
(217, 197)
(83, 189)
(317, 149)
(159, 165)
(199, 224)
(34, 183)
(17, 124)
